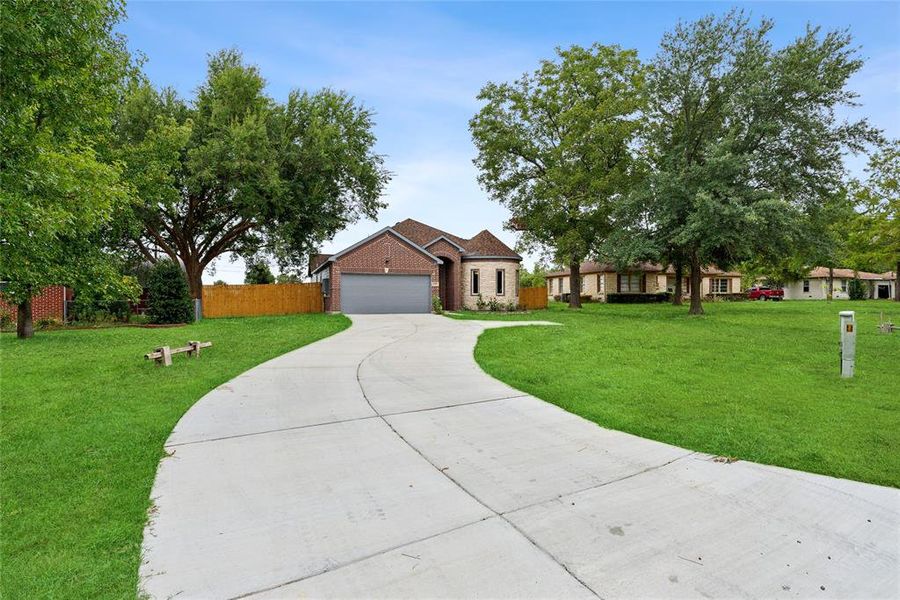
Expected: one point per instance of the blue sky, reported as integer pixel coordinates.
(419, 67)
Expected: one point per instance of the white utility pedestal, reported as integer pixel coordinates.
(848, 342)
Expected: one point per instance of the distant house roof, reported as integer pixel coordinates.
(643, 267)
(484, 243)
(840, 273)
(889, 275)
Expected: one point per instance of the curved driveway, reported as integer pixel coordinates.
(382, 462)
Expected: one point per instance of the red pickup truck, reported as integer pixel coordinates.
(764, 292)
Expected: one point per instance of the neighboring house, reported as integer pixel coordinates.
(399, 269)
(600, 279)
(815, 285)
(49, 304)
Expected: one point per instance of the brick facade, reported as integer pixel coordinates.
(385, 254)
(414, 248)
(49, 304)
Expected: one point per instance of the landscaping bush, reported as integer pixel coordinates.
(494, 305)
(618, 298)
(480, 304)
(857, 289)
(88, 309)
(6, 320)
(169, 299)
(436, 305)
(733, 297)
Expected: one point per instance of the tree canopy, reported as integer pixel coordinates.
(554, 147)
(236, 171)
(743, 142)
(62, 75)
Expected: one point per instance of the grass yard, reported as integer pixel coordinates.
(754, 380)
(84, 418)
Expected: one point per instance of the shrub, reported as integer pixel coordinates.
(89, 309)
(47, 323)
(618, 298)
(6, 320)
(480, 304)
(857, 289)
(169, 299)
(436, 305)
(494, 305)
(732, 297)
(511, 306)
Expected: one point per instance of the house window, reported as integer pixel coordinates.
(475, 284)
(806, 286)
(517, 282)
(719, 286)
(843, 285)
(326, 287)
(600, 283)
(630, 283)
(501, 282)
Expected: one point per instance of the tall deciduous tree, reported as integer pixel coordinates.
(554, 148)
(875, 234)
(743, 139)
(236, 171)
(61, 76)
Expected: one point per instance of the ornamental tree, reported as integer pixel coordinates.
(236, 171)
(61, 78)
(554, 148)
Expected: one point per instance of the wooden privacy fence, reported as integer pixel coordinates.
(258, 300)
(532, 298)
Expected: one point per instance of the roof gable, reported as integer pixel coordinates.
(374, 236)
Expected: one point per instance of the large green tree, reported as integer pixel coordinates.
(743, 141)
(554, 148)
(874, 240)
(236, 171)
(61, 77)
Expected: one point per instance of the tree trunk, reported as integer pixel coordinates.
(24, 324)
(679, 277)
(897, 283)
(575, 284)
(696, 282)
(830, 294)
(194, 273)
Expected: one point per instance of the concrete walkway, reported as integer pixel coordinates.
(382, 462)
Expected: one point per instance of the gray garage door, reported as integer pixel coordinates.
(361, 294)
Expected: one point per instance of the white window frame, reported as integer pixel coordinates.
(806, 286)
(717, 287)
(500, 282)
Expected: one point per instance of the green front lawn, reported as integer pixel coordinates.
(84, 418)
(754, 380)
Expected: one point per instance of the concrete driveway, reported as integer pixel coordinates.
(382, 462)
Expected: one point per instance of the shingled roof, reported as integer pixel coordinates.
(643, 267)
(484, 243)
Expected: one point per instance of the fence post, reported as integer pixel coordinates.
(198, 309)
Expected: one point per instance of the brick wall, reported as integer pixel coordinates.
(46, 305)
(384, 254)
(451, 256)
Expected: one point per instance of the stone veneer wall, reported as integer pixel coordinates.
(488, 281)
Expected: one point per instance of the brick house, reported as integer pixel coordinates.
(599, 279)
(49, 304)
(400, 268)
